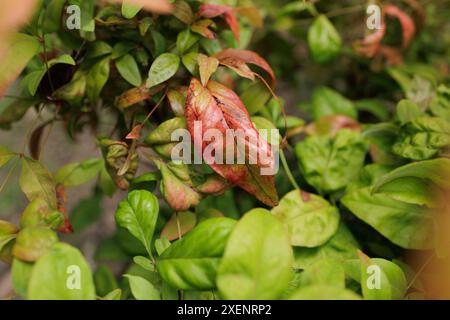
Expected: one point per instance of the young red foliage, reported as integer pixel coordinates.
(372, 46)
(228, 55)
(214, 10)
(217, 107)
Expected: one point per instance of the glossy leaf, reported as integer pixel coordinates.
(309, 223)
(405, 224)
(258, 259)
(191, 262)
(78, 173)
(329, 164)
(129, 70)
(96, 78)
(162, 69)
(138, 214)
(323, 40)
(178, 225)
(142, 289)
(57, 274)
(20, 274)
(21, 49)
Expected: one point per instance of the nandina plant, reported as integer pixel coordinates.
(223, 189)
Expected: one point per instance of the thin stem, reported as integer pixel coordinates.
(44, 45)
(154, 108)
(288, 170)
(178, 225)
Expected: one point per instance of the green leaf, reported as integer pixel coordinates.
(324, 292)
(161, 245)
(440, 105)
(121, 48)
(258, 259)
(129, 70)
(190, 61)
(142, 289)
(113, 295)
(391, 284)
(191, 262)
(423, 138)
(147, 181)
(98, 49)
(326, 271)
(61, 274)
(138, 214)
(52, 17)
(309, 223)
(163, 133)
(162, 69)
(129, 11)
(5, 156)
(104, 280)
(144, 262)
(407, 111)
(8, 233)
(329, 164)
(96, 79)
(405, 224)
(159, 42)
(341, 246)
(326, 101)
(323, 40)
(437, 171)
(36, 182)
(33, 242)
(255, 97)
(21, 48)
(185, 40)
(20, 275)
(32, 80)
(179, 224)
(78, 173)
(39, 214)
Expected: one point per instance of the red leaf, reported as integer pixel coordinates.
(406, 22)
(246, 56)
(135, 133)
(202, 27)
(217, 107)
(371, 45)
(215, 10)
